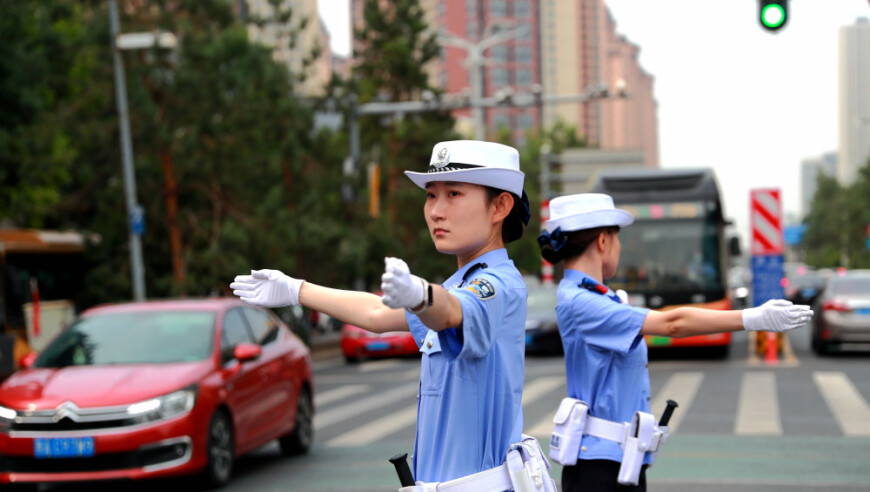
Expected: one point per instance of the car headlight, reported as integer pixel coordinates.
(533, 324)
(741, 292)
(7, 417)
(164, 407)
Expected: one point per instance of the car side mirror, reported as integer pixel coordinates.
(27, 361)
(245, 352)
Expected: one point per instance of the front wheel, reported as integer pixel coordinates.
(221, 454)
(299, 441)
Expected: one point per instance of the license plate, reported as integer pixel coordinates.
(378, 346)
(63, 447)
(863, 312)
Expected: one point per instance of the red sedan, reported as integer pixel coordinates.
(156, 389)
(357, 343)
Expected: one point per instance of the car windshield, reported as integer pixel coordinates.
(542, 300)
(142, 337)
(851, 286)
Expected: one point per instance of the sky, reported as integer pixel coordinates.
(748, 103)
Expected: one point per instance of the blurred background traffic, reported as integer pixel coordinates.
(153, 150)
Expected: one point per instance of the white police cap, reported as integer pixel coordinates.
(585, 211)
(473, 161)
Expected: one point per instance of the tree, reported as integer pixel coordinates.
(393, 49)
(837, 223)
(249, 179)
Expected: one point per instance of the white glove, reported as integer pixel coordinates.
(622, 295)
(401, 289)
(268, 288)
(776, 315)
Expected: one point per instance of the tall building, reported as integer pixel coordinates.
(810, 170)
(512, 64)
(568, 46)
(854, 98)
(275, 33)
(580, 48)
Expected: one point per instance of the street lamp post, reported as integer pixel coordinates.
(476, 62)
(135, 213)
(134, 210)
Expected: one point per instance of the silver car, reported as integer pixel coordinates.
(842, 312)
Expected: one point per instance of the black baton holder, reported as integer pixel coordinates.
(400, 461)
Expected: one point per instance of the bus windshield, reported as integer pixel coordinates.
(669, 255)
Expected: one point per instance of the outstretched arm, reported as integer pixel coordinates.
(777, 315)
(357, 308)
(272, 288)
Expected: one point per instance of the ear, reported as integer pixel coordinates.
(602, 241)
(502, 207)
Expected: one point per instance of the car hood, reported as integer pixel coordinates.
(96, 386)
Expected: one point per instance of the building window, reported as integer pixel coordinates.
(501, 120)
(523, 54)
(498, 8)
(522, 9)
(524, 76)
(499, 77)
(499, 53)
(526, 121)
(471, 29)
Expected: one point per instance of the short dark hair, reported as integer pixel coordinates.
(576, 243)
(512, 227)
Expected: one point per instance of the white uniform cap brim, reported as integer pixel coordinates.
(502, 179)
(591, 220)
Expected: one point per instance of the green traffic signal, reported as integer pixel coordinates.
(772, 14)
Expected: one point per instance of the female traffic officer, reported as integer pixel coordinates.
(605, 355)
(470, 329)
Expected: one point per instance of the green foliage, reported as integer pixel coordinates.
(837, 223)
(218, 130)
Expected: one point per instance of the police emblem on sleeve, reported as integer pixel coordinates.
(482, 289)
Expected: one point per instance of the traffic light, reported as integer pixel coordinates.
(772, 14)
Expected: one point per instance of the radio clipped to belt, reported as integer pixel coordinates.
(636, 438)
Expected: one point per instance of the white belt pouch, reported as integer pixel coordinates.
(570, 421)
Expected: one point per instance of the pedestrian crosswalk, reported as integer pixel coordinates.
(383, 414)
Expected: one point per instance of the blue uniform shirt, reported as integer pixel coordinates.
(471, 380)
(605, 358)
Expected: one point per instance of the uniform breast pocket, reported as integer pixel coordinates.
(432, 372)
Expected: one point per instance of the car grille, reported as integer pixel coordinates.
(68, 417)
(160, 455)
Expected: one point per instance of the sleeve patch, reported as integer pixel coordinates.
(482, 289)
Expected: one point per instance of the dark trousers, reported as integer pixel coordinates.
(598, 476)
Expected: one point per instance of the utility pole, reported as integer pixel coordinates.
(475, 63)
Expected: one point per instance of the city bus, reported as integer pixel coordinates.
(676, 252)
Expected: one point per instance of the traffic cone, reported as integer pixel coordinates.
(771, 353)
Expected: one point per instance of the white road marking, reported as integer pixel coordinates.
(682, 388)
(758, 406)
(850, 409)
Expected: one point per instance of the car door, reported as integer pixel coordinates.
(276, 404)
(245, 386)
